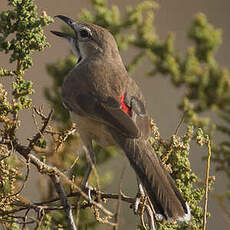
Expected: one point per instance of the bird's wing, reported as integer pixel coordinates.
(127, 115)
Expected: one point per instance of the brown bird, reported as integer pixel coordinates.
(108, 107)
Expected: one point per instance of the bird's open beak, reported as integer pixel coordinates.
(70, 22)
(72, 40)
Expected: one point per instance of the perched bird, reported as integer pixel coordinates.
(108, 107)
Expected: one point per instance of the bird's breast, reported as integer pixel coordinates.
(90, 129)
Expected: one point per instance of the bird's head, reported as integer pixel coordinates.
(88, 39)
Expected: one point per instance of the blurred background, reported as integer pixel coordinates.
(162, 99)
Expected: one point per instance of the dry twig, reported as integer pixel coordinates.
(205, 208)
(60, 190)
(117, 213)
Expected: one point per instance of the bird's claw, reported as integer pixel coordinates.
(89, 188)
(140, 197)
(138, 201)
(136, 205)
(142, 206)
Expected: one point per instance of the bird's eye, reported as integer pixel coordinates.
(84, 33)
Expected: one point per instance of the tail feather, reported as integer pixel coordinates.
(161, 188)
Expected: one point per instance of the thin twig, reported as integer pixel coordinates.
(142, 212)
(25, 218)
(40, 216)
(113, 196)
(151, 206)
(46, 169)
(150, 216)
(54, 173)
(179, 124)
(117, 213)
(205, 207)
(14, 220)
(46, 205)
(93, 166)
(103, 220)
(46, 121)
(60, 190)
(34, 119)
(26, 178)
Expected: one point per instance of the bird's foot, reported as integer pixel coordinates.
(138, 204)
(140, 198)
(141, 207)
(88, 188)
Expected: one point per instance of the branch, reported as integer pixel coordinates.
(60, 190)
(49, 170)
(46, 205)
(46, 121)
(117, 214)
(52, 172)
(207, 185)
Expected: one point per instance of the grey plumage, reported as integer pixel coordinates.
(108, 106)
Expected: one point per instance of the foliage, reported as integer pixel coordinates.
(21, 35)
(206, 88)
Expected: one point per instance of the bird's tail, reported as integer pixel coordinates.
(162, 191)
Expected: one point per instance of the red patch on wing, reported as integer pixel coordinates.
(124, 107)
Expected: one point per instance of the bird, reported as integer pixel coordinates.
(108, 107)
